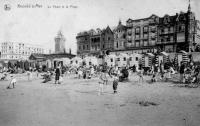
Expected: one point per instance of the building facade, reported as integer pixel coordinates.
(151, 35)
(177, 32)
(120, 37)
(83, 43)
(95, 42)
(60, 43)
(18, 51)
(142, 34)
(107, 43)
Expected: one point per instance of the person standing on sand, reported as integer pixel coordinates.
(57, 72)
(182, 70)
(140, 74)
(102, 82)
(115, 83)
(29, 75)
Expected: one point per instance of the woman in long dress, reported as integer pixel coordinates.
(57, 75)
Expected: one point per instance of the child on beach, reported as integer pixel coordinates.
(115, 82)
(140, 74)
(102, 82)
(12, 82)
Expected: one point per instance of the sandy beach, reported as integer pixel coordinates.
(75, 102)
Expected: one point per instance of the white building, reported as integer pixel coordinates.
(14, 50)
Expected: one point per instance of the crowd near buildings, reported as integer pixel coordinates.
(170, 33)
(140, 42)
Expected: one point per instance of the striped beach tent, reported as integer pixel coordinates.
(147, 59)
(185, 57)
(165, 57)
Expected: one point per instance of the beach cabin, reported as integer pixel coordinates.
(162, 57)
(122, 60)
(147, 59)
(134, 59)
(110, 60)
(76, 62)
(90, 60)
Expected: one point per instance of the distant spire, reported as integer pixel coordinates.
(189, 7)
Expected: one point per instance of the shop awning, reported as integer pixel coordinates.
(150, 54)
(164, 53)
(182, 51)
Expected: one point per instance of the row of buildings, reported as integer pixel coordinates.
(19, 51)
(22, 51)
(170, 33)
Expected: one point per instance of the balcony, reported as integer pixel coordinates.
(137, 38)
(165, 42)
(129, 33)
(146, 37)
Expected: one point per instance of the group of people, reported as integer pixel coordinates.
(189, 73)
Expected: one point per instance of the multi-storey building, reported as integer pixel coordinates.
(83, 43)
(107, 43)
(177, 32)
(120, 37)
(142, 34)
(95, 42)
(152, 34)
(19, 51)
(60, 43)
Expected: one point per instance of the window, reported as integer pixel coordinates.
(145, 43)
(120, 43)
(168, 39)
(118, 59)
(108, 38)
(181, 28)
(145, 29)
(137, 44)
(87, 47)
(162, 30)
(117, 45)
(103, 46)
(137, 30)
(124, 58)
(130, 58)
(111, 60)
(136, 58)
(124, 36)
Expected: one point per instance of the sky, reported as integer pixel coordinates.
(40, 24)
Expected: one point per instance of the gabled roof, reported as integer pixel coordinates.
(107, 30)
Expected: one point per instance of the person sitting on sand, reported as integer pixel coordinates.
(12, 82)
(4, 76)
